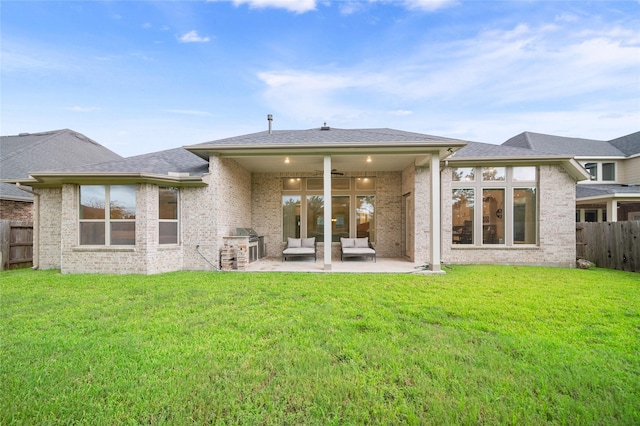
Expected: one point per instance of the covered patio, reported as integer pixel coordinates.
(295, 182)
(356, 266)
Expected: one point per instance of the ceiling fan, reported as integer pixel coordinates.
(334, 172)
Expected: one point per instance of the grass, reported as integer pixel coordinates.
(481, 345)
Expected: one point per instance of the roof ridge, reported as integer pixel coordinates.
(51, 133)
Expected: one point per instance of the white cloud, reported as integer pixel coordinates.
(147, 25)
(78, 108)
(497, 72)
(193, 37)
(190, 112)
(428, 5)
(297, 6)
(401, 112)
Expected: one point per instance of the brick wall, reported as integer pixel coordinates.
(215, 211)
(50, 228)
(557, 245)
(16, 210)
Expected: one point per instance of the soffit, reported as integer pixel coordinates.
(315, 163)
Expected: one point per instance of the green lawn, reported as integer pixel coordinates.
(482, 344)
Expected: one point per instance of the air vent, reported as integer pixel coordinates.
(325, 127)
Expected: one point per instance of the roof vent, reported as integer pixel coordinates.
(269, 119)
(325, 127)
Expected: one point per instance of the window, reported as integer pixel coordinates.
(592, 168)
(315, 217)
(509, 213)
(168, 215)
(609, 171)
(601, 172)
(365, 216)
(591, 215)
(353, 208)
(290, 216)
(492, 216)
(463, 215)
(524, 216)
(107, 214)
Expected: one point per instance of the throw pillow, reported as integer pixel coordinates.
(347, 242)
(308, 242)
(293, 242)
(362, 242)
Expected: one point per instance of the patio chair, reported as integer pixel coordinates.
(300, 247)
(356, 247)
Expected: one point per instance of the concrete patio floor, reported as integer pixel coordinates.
(352, 265)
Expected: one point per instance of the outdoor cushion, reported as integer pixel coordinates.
(309, 242)
(294, 242)
(299, 250)
(347, 242)
(362, 242)
(358, 250)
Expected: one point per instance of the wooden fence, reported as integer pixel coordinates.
(613, 245)
(16, 244)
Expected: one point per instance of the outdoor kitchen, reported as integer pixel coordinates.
(242, 249)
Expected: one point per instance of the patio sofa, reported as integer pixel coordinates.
(300, 247)
(356, 247)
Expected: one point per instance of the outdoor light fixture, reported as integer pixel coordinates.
(368, 159)
(286, 160)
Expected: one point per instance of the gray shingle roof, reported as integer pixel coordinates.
(564, 145)
(629, 144)
(176, 160)
(319, 136)
(30, 152)
(491, 151)
(590, 190)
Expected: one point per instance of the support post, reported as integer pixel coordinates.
(327, 212)
(435, 223)
(612, 211)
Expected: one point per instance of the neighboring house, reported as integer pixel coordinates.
(27, 152)
(424, 198)
(613, 191)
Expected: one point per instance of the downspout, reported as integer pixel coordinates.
(36, 225)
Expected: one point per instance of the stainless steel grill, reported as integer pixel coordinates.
(248, 232)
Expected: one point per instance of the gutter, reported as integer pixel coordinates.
(36, 224)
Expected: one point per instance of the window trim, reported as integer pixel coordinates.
(599, 165)
(509, 186)
(176, 220)
(107, 221)
(353, 193)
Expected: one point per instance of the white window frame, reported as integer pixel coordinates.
(107, 221)
(176, 220)
(353, 193)
(508, 185)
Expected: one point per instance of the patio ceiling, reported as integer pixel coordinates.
(314, 163)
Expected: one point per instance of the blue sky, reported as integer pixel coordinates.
(142, 76)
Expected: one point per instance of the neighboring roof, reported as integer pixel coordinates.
(629, 145)
(575, 147)
(479, 150)
(27, 152)
(505, 154)
(594, 190)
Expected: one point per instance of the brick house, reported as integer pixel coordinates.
(418, 197)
